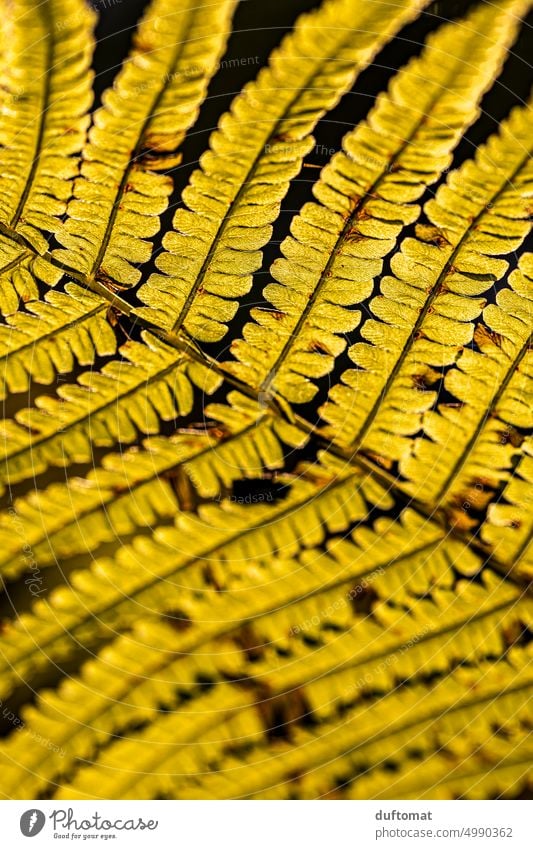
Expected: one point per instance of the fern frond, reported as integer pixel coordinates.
(127, 397)
(328, 678)
(256, 445)
(118, 198)
(125, 685)
(54, 333)
(134, 489)
(424, 316)
(312, 597)
(44, 117)
(233, 198)
(194, 722)
(363, 611)
(366, 196)
(151, 573)
(469, 451)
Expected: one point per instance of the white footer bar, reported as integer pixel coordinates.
(268, 824)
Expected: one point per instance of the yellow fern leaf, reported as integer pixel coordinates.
(133, 490)
(233, 198)
(118, 199)
(366, 197)
(143, 573)
(20, 273)
(424, 315)
(53, 334)
(128, 396)
(48, 50)
(508, 527)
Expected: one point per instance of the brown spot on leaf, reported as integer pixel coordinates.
(431, 235)
(177, 619)
(484, 337)
(317, 346)
(250, 643)
(362, 598)
(280, 714)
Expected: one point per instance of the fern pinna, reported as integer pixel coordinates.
(356, 625)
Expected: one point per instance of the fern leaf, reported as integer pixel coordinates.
(54, 333)
(128, 396)
(468, 456)
(233, 198)
(368, 614)
(134, 490)
(480, 213)
(124, 686)
(44, 117)
(153, 667)
(328, 678)
(143, 573)
(366, 197)
(408, 563)
(193, 723)
(118, 198)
